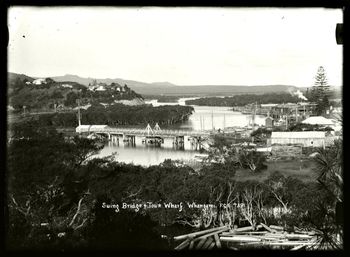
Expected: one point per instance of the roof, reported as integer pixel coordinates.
(318, 120)
(268, 105)
(287, 105)
(299, 134)
(92, 127)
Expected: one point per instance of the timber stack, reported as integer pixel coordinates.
(262, 236)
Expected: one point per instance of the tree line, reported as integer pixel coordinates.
(242, 100)
(119, 114)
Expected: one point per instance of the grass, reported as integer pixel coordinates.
(303, 170)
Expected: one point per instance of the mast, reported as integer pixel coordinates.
(79, 118)
(253, 117)
(201, 122)
(224, 121)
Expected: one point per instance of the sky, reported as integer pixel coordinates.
(184, 46)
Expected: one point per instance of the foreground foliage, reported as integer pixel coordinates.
(60, 198)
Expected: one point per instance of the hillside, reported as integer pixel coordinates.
(47, 93)
(22, 77)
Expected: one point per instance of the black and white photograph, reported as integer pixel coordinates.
(174, 129)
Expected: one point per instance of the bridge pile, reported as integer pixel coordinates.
(263, 236)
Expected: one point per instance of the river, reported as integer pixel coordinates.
(204, 117)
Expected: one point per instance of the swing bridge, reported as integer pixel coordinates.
(153, 136)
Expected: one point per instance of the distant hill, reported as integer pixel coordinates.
(167, 88)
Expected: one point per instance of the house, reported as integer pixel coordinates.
(67, 86)
(304, 138)
(100, 88)
(39, 81)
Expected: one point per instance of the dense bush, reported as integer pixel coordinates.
(241, 100)
(119, 114)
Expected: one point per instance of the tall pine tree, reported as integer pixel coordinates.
(320, 91)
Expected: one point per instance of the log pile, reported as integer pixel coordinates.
(274, 237)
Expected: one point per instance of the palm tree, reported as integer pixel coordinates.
(329, 166)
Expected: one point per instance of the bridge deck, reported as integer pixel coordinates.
(142, 132)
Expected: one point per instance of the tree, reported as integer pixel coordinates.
(329, 165)
(320, 91)
(47, 190)
(71, 99)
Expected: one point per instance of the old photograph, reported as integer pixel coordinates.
(174, 129)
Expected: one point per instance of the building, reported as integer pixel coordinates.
(39, 81)
(293, 111)
(90, 128)
(318, 120)
(67, 86)
(269, 122)
(304, 138)
(101, 88)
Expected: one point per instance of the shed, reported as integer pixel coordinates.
(90, 128)
(304, 138)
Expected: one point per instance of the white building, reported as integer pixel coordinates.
(90, 128)
(100, 88)
(39, 81)
(67, 86)
(318, 120)
(304, 138)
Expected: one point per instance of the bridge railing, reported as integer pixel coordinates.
(155, 133)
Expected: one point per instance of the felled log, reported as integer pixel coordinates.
(298, 236)
(212, 233)
(249, 228)
(299, 247)
(183, 245)
(267, 228)
(217, 241)
(191, 245)
(292, 243)
(211, 245)
(277, 227)
(207, 243)
(239, 238)
(194, 234)
(244, 231)
(201, 242)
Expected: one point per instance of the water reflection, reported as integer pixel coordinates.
(204, 118)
